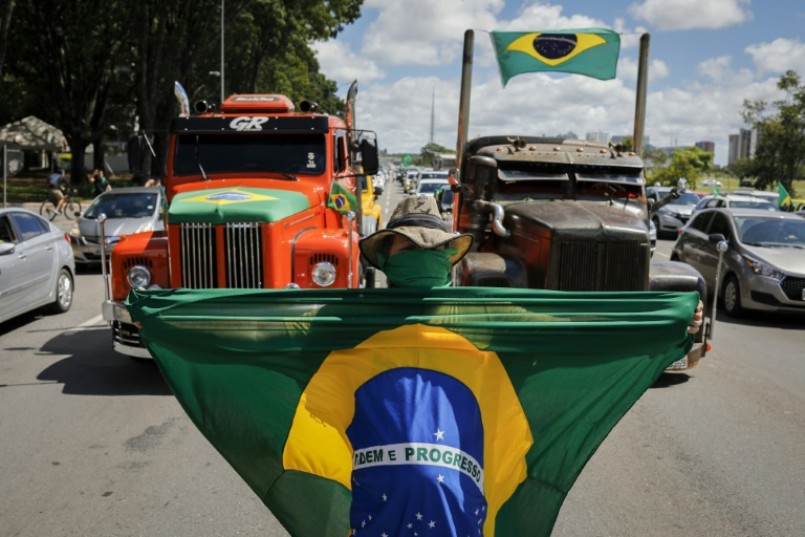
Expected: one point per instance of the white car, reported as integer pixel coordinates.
(128, 211)
(37, 267)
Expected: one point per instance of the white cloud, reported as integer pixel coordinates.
(338, 62)
(657, 70)
(424, 32)
(779, 56)
(689, 14)
(418, 44)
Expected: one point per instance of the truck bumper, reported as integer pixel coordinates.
(125, 334)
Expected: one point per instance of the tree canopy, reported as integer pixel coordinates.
(780, 154)
(690, 163)
(112, 64)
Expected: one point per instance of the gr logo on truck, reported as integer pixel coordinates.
(246, 123)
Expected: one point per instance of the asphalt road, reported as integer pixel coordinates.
(93, 444)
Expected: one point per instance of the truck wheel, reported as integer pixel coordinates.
(64, 292)
(732, 297)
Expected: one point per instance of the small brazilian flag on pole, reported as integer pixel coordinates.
(783, 198)
(591, 52)
(341, 199)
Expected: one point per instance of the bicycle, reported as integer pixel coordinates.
(70, 210)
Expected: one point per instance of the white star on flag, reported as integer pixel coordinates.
(439, 434)
(440, 479)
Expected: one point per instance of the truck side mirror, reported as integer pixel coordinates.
(369, 157)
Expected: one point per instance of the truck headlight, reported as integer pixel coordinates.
(323, 274)
(139, 277)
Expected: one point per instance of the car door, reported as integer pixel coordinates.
(38, 256)
(692, 240)
(708, 257)
(13, 278)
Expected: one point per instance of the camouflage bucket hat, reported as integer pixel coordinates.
(417, 218)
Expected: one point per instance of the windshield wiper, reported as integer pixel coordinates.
(198, 162)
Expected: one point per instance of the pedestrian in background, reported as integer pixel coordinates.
(99, 182)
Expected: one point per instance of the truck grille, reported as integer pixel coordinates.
(602, 266)
(241, 246)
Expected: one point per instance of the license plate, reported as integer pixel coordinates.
(679, 364)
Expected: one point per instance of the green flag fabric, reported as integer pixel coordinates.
(341, 199)
(591, 52)
(454, 411)
(783, 198)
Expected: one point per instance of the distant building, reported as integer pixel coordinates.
(709, 147)
(600, 137)
(742, 145)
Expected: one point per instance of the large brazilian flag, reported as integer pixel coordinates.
(449, 412)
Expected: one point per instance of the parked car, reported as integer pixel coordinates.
(37, 267)
(733, 201)
(764, 266)
(432, 184)
(128, 210)
(771, 197)
(672, 216)
(711, 183)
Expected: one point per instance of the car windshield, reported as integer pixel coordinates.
(114, 205)
(686, 198)
(430, 188)
(768, 232)
(252, 152)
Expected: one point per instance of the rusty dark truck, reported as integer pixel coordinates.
(562, 214)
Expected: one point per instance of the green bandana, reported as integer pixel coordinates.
(418, 268)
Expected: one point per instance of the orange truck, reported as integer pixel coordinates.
(260, 196)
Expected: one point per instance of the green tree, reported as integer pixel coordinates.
(429, 150)
(689, 162)
(780, 155)
(6, 10)
(68, 69)
(115, 63)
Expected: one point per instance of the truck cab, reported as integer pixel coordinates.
(250, 191)
(551, 213)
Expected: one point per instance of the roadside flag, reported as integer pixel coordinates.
(341, 199)
(716, 189)
(450, 411)
(783, 198)
(591, 52)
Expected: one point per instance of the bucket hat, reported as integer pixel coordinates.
(417, 218)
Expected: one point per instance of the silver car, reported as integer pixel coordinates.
(36, 264)
(669, 218)
(127, 210)
(764, 266)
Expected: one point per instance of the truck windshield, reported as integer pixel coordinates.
(250, 152)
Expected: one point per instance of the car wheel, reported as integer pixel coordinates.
(732, 297)
(64, 292)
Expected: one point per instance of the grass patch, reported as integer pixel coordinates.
(33, 187)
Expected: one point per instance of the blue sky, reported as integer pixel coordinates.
(706, 57)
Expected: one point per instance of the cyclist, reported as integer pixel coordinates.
(57, 185)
